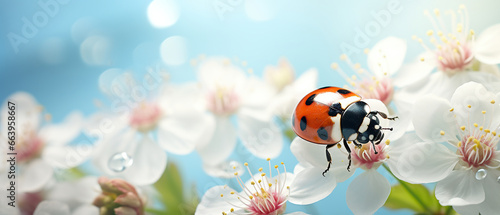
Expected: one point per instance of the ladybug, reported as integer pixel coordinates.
(330, 115)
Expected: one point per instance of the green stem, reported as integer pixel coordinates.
(449, 209)
(415, 196)
(154, 211)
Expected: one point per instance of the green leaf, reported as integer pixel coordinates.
(172, 194)
(403, 195)
(290, 134)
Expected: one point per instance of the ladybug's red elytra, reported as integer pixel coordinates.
(329, 115)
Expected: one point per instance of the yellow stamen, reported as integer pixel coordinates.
(451, 110)
(334, 66)
(246, 164)
(475, 125)
(463, 128)
(483, 112)
(387, 142)
(441, 132)
(430, 32)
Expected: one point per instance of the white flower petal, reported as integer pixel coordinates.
(222, 143)
(415, 71)
(310, 186)
(213, 203)
(34, 176)
(262, 138)
(490, 204)
(460, 188)
(306, 83)
(426, 162)
(180, 133)
(86, 210)
(52, 208)
(112, 145)
(103, 125)
(479, 99)
(184, 97)
(487, 46)
(220, 72)
(314, 155)
(64, 132)
(387, 56)
(149, 163)
(308, 152)
(433, 119)
(224, 169)
(367, 192)
(257, 93)
(66, 156)
(87, 189)
(397, 148)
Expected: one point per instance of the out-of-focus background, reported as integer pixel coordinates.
(56, 49)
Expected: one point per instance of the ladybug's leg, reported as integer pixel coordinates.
(328, 157)
(383, 115)
(348, 151)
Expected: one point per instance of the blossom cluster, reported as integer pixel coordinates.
(447, 104)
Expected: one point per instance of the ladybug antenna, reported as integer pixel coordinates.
(390, 129)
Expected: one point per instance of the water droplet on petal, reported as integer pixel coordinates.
(120, 161)
(498, 179)
(481, 174)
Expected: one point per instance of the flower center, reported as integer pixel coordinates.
(29, 201)
(366, 158)
(145, 117)
(376, 88)
(454, 57)
(28, 147)
(369, 86)
(223, 101)
(264, 195)
(452, 49)
(477, 147)
(281, 75)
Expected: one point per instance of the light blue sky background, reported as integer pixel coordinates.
(308, 33)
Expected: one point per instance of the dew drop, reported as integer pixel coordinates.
(120, 161)
(498, 179)
(481, 174)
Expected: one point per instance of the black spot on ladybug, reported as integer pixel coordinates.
(324, 87)
(310, 100)
(333, 112)
(335, 109)
(322, 133)
(343, 91)
(303, 123)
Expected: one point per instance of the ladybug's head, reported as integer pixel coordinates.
(373, 132)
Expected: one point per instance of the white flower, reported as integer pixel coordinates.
(455, 48)
(458, 56)
(386, 73)
(147, 117)
(40, 149)
(228, 92)
(368, 191)
(289, 91)
(261, 195)
(458, 149)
